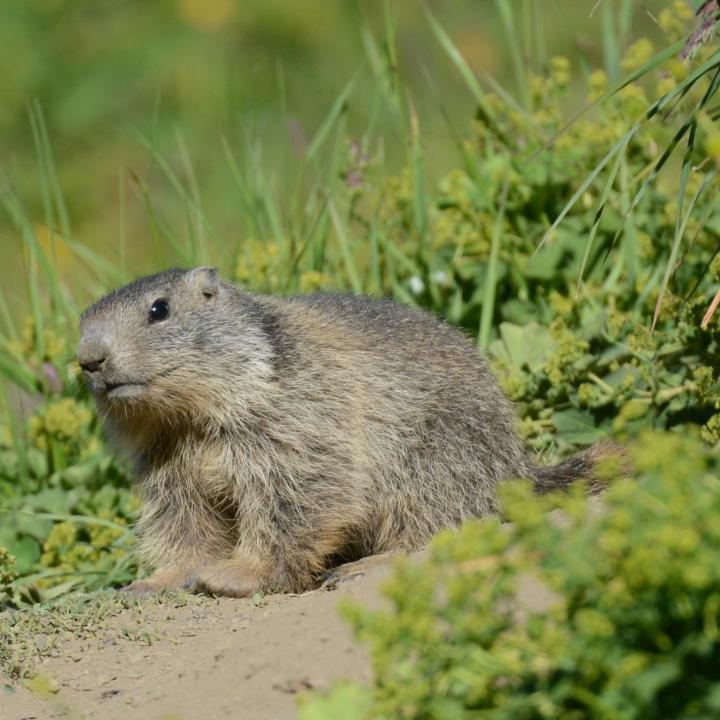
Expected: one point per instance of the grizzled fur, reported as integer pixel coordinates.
(274, 438)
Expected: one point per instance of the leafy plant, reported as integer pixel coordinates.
(587, 611)
(65, 503)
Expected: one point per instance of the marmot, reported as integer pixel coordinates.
(275, 438)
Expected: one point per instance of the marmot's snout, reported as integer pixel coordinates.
(92, 354)
(95, 357)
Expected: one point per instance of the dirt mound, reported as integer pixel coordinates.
(209, 659)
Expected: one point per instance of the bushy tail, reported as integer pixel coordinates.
(583, 467)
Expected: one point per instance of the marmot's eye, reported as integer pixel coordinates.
(159, 310)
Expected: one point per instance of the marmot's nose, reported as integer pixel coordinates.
(92, 366)
(92, 353)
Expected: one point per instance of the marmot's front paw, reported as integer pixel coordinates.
(226, 578)
(142, 588)
(171, 580)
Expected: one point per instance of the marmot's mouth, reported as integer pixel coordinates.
(128, 389)
(124, 391)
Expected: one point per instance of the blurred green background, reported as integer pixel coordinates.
(124, 86)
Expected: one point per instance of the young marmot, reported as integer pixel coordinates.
(277, 437)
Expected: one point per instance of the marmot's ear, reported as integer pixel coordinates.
(205, 280)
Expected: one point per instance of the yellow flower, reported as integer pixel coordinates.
(258, 262)
(711, 430)
(313, 280)
(92, 447)
(712, 146)
(586, 394)
(560, 71)
(539, 88)
(637, 54)
(54, 346)
(561, 304)
(58, 543)
(633, 100)
(36, 432)
(103, 536)
(598, 84)
(65, 420)
(674, 20)
(665, 84)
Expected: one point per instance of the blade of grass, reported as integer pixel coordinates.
(466, 72)
(69, 517)
(604, 195)
(337, 109)
(17, 431)
(668, 152)
(31, 257)
(383, 71)
(629, 244)
(122, 232)
(490, 289)
(418, 174)
(52, 176)
(249, 213)
(344, 242)
(44, 159)
(17, 374)
(510, 27)
(701, 225)
(10, 331)
(611, 51)
(183, 193)
(681, 221)
(616, 148)
(158, 229)
(199, 249)
(309, 235)
(391, 67)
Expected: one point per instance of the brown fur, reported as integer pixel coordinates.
(274, 438)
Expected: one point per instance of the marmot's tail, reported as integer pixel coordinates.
(582, 467)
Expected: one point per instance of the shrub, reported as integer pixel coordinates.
(628, 623)
(574, 345)
(7, 575)
(65, 502)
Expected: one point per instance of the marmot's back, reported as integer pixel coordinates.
(394, 343)
(391, 326)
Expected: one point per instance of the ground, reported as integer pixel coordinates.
(199, 658)
(206, 658)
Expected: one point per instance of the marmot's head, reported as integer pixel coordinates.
(175, 342)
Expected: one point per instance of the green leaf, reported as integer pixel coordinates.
(576, 427)
(527, 346)
(26, 551)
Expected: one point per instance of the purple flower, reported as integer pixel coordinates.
(52, 377)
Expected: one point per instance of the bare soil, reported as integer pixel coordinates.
(209, 659)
